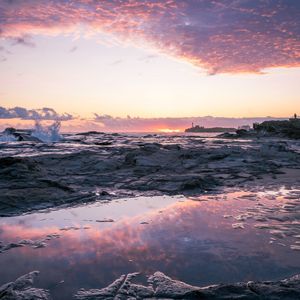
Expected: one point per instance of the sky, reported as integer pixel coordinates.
(148, 65)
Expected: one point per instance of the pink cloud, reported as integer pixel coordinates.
(220, 36)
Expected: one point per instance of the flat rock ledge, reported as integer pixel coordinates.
(139, 168)
(162, 287)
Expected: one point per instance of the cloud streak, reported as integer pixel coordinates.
(220, 36)
(131, 124)
(23, 40)
(33, 114)
(73, 49)
(22, 117)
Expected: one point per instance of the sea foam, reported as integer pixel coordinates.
(47, 133)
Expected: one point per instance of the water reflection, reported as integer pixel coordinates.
(185, 239)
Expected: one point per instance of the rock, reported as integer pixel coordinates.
(122, 288)
(286, 128)
(34, 244)
(22, 289)
(203, 183)
(295, 247)
(172, 147)
(21, 135)
(238, 226)
(161, 287)
(51, 175)
(169, 288)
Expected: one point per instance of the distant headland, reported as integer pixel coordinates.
(275, 128)
(198, 128)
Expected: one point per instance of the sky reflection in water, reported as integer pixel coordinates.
(185, 239)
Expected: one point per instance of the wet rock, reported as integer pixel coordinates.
(165, 165)
(197, 182)
(104, 193)
(295, 247)
(22, 289)
(238, 226)
(23, 135)
(24, 164)
(218, 156)
(105, 143)
(10, 246)
(165, 287)
(278, 233)
(161, 286)
(122, 288)
(172, 147)
(151, 148)
(33, 244)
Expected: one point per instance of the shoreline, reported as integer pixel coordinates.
(86, 168)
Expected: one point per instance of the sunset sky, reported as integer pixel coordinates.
(149, 59)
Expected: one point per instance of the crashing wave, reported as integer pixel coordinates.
(47, 133)
(39, 133)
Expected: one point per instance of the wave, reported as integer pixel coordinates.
(47, 133)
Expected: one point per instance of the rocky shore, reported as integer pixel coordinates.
(91, 166)
(281, 129)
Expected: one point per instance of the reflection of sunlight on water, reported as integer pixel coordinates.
(190, 240)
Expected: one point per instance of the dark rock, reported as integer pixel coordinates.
(10, 130)
(51, 177)
(106, 143)
(21, 134)
(92, 132)
(203, 183)
(172, 147)
(286, 128)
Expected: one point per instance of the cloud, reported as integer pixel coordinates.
(73, 49)
(148, 58)
(33, 114)
(3, 58)
(22, 40)
(221, 36)
(116, 62)
(132, 124)
(20, 117)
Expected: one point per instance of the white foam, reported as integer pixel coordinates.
(47, 133)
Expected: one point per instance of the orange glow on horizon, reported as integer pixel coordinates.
(169, 130)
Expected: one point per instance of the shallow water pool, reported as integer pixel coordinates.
(235, 236)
